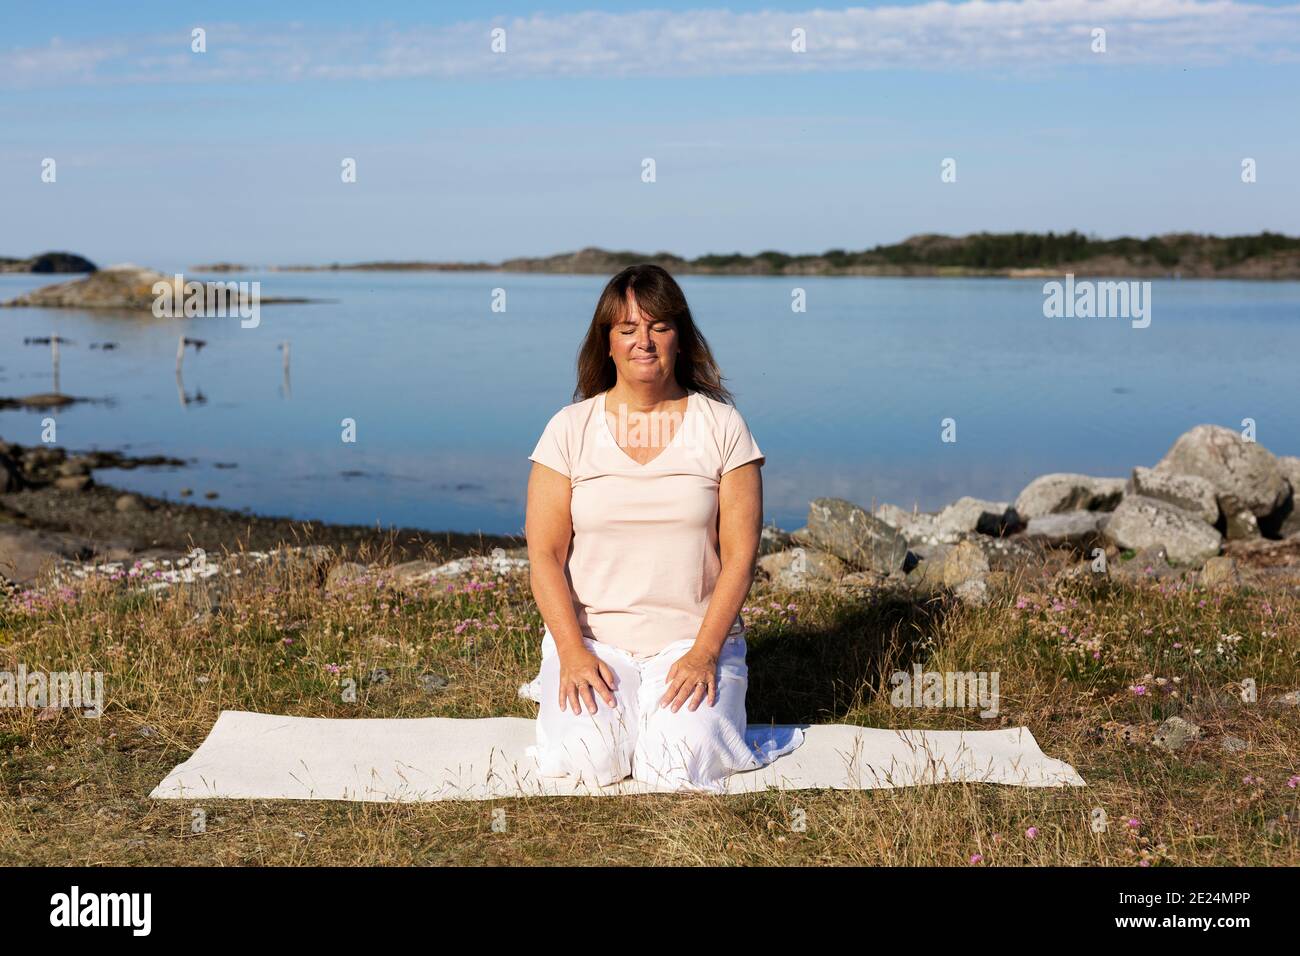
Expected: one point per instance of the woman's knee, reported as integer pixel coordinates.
(585, 745)
(687, 747)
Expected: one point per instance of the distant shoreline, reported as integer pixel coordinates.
(1003, 255)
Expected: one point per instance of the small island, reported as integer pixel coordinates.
(63, 262)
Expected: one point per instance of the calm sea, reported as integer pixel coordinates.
(846, 399)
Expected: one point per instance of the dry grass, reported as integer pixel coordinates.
(73, 790)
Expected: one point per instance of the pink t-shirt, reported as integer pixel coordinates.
(644, 557)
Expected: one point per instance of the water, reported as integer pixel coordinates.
(846, 399)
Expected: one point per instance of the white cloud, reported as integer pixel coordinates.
(940, 35)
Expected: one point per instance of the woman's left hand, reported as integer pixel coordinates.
(692, 677)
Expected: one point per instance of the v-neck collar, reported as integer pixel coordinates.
(681, 426)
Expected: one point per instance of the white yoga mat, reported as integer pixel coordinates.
(270, 757)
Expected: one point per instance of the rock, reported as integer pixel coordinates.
(927, 576)
(73, 483)
(1089, 570)
(1147, 564)
(499, 561)
(25, 554)
(920, 528)
(930, 552)
(1287, 519)
(966, 515)
(1052, 494)
(72, 467)
(1080, 530)
(1220, 572)
(377, 676)
(413, 572)
(310, 559)
(431, 683)
(11, 476)
(41, 400)
(129, 502)
(965, 562)
(1008, 554)
(1189, 492)
(1231, 744)
(345, 573)
(855, 537)
(802, 567)
(1245, 470)
(974, 592)
(772, 539)
(1239, 522)
(1175, 734)
(1147, 522)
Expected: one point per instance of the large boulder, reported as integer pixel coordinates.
(1287, 521)
(1189, 492)
(1080, 530)
(1147, 565)
(965, 562)
(967, 515)
(1149, 522)
(1053, 494)
(802, 567)
(854, 536)
(1238, 521)
(919, 528)
(1245, 471)
(25, 554)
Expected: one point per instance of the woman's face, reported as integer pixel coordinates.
(643, 349)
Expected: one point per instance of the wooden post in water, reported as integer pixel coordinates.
(284, 347)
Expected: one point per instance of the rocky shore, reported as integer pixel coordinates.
(1216, 510)
(54, 514)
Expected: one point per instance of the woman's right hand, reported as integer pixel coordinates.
(580, 672)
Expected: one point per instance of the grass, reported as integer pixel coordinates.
(1078, 663)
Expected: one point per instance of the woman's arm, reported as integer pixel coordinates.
(740, 523)
(693, 677)
(548, 528)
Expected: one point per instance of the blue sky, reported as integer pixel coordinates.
(168, 158)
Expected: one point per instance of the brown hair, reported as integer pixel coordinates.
(658, 296)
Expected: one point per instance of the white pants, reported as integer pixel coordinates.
(687, 750)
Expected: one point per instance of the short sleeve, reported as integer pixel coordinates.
(738, 445)
(553, 449)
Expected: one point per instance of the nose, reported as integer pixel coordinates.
(643, 337)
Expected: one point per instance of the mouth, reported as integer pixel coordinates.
(646, 359)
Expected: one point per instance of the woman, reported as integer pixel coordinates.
(645, 506)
